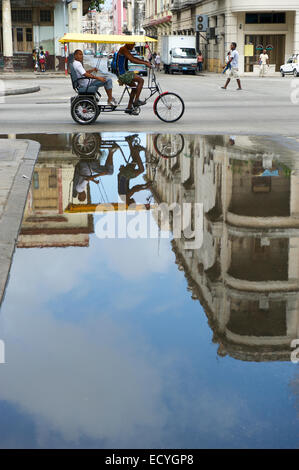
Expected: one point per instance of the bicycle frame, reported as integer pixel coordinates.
(152, 86)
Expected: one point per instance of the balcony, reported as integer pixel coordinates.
(179, 4)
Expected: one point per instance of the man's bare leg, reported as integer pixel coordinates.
(132, 95)
(140, 83)
(226, 85)
(239, 84)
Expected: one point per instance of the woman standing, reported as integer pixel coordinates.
(42, 59)
(158, 61)
(199, 61)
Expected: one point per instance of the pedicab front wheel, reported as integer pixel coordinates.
(169, 107)
(84, 110)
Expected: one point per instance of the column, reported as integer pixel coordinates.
(220, 22)
(231, 30)
(7, 36)
(129, 16)
(75, 12)
(296, 33)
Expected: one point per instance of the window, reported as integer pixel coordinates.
(265, 18)
(21, 16)
(20, 34)
(53, 179)
(45, 16)
(28, 34)
(35, 180)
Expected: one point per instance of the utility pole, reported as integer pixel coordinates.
(7, 36)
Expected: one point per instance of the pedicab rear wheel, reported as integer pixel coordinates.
(86, 145)
(84, 110)
(169, 107)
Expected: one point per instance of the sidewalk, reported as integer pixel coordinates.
(17, 158)
(31, 75)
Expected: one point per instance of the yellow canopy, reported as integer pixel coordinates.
(105, 207)
(105, 38)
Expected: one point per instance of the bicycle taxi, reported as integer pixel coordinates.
(86, 106)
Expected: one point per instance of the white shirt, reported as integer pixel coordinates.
(80, 71)
(264, 58)
(85, 171)
(235, 56)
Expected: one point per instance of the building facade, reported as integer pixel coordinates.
(27, 24)
(119, 9)
(157, 20)
(252, 23)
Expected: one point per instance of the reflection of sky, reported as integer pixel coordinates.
(105, 348)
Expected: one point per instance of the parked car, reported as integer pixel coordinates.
(109, 61)
(101, 54)
(140, 69)
(291, 66)
(88, 52)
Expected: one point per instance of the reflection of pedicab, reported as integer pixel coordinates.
(86, 145)
(86, 106)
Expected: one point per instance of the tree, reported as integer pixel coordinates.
(96, 5)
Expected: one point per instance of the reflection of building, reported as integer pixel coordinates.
(246, 274)
(45, 223)
(266, 23)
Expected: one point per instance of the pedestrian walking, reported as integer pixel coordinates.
(158, 61)
(199, 61)
(264, 63)
(234, 71)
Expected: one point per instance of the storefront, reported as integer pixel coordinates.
(272, 25)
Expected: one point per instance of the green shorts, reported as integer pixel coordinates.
(126, 78)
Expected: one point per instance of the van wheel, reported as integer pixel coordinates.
(282, 73)
(295, 72)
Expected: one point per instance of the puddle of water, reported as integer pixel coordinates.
(151, 337)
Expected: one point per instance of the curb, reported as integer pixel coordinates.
(20, 91)
(10, 223)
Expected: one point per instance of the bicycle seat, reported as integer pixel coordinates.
(90, 90)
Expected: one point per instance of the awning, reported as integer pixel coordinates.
(105, 38)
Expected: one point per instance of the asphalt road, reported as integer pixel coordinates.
(264, 107)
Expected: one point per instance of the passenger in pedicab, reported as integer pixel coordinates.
(89, 170)
(92, 79)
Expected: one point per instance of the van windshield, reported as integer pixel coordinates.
(184, 53)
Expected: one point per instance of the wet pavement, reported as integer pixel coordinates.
(127, 327)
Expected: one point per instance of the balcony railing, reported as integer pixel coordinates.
(179, 4)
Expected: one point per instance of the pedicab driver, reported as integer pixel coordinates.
(92, 79)
(126, 77)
